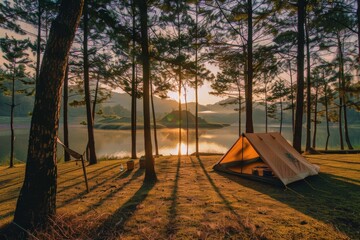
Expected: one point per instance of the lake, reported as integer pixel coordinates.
(117, 143)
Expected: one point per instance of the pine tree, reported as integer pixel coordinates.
(37, 199)
(16, 59)
(150, 175)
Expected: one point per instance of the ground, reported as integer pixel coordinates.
(190, 200)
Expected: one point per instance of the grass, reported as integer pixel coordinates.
(190, 200)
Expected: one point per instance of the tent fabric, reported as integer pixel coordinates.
(253, 150)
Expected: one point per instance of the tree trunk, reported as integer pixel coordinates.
(292, 98)
(281, 114)
(196, 84)
(90, 122)
(300, 76)
(327, 118)
(65, 113)
(266, 109)
(340, 123)
(315, 117)
(37, 199)
(341, 92)
(12, 118)
(249, 112)
(346, 130)
(308, 91)
(180, 80)
(240, 105)
(95, 97)
(38, 42)
(154, 120)
(150, 175)
(187, 123)
(358, 25)
(133, 87)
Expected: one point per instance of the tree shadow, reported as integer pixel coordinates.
(333, 160)
(113, 226)
(11, 232)
(93, 187)
(171, 226)
(324, 197)
(224, 200)
(98, 171)
(137, 174)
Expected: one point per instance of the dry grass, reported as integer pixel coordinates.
(190, 200)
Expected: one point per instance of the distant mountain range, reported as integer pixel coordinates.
(120, 104)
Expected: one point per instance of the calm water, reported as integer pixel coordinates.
(117, 143)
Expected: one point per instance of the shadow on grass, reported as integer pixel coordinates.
(333, 160)
(98, 171)
(337, 167)
(222, 197)
(325, 198)
(12, 232)
(171, 226)
(92, 187)
(137, 174)
(113, 226)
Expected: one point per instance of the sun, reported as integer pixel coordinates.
(190, 96)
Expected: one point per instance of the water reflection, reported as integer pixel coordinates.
(117, 143)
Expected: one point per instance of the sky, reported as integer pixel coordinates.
(204, 96)
(203, 91)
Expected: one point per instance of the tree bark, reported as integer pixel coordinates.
(154, 120)
(358, 26)
(95, 97)
(240, 105)
(180, 80)
(38, 42)
(150, 175)
(196, 84)
(12, 118)
(315, 118)
(187, 123)
(249, 110)
(292, 99)
(300, 76)
(341, 92)
(266, 108)
(65, 113)
(37, 199)
(90, 122)
(281, 114)
(133, 87)
(308, 91)
(327, 118)
(346, 130)
(340, 122)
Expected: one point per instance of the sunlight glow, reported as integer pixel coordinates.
(204, 147)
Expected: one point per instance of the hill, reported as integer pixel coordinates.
(172, 120)
(119, 105)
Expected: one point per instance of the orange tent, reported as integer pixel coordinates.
(266, 157)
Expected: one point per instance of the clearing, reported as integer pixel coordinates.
(190, 200)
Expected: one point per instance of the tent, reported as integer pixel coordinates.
(266, 157)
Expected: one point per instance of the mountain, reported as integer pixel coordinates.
(172, 120)
(120, 105)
